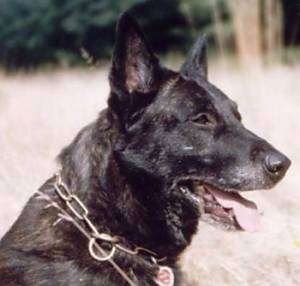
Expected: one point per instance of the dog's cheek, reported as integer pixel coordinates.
(175, 227)
(135, 164)
(182, 221)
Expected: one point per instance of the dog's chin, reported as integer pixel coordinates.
(226, 209)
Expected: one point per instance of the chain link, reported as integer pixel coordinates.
(77, 203)
(62, 190)
(78, 208)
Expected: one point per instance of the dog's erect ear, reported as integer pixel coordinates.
(135, 70)
(195, 65)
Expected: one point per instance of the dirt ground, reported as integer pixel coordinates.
(41, 113)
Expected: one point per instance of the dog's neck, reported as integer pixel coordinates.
(91, 170)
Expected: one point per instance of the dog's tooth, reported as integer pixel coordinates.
(208, 197)
(183, 189)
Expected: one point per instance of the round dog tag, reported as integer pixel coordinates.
(165, 276)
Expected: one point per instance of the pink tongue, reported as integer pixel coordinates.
(245, 211)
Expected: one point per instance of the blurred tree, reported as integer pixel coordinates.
(261, 21)
(219, 29)
(272, 25)
(34, 32)
(206, 17)
(37, 32)
(291, 18)
(246, 18)
(25, 31)
(162, 21)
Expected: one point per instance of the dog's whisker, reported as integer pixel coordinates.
(50, 205)
(233, 273)
(57, 221)
(65, 217)
(45, 197)
(62, 217)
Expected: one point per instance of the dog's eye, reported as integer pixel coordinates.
(205, 119)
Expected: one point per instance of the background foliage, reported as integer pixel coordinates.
(36, 32)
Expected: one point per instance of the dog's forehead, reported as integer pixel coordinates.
(180, 92)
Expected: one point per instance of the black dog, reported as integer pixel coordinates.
(169, 149)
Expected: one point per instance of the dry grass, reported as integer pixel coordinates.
(39, 114)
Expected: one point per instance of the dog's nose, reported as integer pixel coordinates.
(277, 164)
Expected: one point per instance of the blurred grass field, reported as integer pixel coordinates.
(40, 113)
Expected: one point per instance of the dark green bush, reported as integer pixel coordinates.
(38, 32)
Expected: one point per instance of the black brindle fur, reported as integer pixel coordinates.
(161, 129)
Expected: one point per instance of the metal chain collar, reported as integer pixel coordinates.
(80, 211)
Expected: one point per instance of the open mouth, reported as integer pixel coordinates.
(227, 209)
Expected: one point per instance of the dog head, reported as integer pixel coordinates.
(182, 142)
